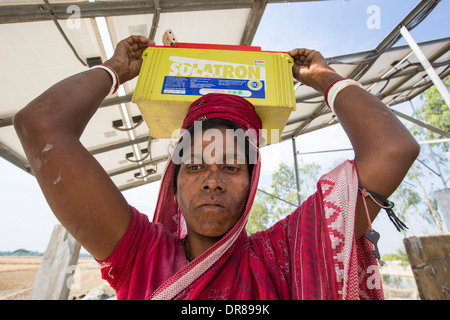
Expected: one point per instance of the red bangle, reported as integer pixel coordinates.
(328, 89)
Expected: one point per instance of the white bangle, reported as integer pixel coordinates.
(336, 87)
(114, 76)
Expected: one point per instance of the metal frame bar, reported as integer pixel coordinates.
(253, 21)
(155, 21)
(32, 12)
(423, 7)
(278, 198)
(14, 158)
(116, 172)
(421, 123)
(426, 65)
(140, 183)
(118, 145)
(297, 179)
(37, 12)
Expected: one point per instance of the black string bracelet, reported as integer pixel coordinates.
(386, 205)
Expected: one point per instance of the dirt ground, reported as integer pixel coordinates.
(17, 276)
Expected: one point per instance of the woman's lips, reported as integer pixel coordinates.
(211, 206)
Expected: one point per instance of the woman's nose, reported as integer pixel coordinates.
(214, 182)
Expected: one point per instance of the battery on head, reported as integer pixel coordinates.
(171, 78)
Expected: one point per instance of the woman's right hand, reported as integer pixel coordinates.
(127, 58)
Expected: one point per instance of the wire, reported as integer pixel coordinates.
(149, 152)
(62, 33)
(132, 128)
(149, 173)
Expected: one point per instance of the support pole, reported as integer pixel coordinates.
(278, 198)
(428, 256)
(443, 198)
(294, 147)
(54, 278)
(426, 65)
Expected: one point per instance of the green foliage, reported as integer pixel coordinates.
(410, 200)
(21, 252)
(434, 110)
(399, 256)
(284, 186)
(267, 210)
(407, 198)
(259, 214)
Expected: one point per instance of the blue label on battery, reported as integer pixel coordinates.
(193, 86)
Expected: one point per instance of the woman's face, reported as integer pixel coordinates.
(212, 191)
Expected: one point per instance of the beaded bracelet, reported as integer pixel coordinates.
(114, 76)
(336, 87)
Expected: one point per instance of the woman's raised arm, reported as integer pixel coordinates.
(384, 148)
(78, 190)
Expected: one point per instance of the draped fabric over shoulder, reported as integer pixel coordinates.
(310, 254)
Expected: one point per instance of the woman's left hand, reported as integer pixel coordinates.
(311, 69)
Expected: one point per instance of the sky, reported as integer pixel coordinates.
(332, 27)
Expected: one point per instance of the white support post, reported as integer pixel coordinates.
(426, 65)
(54, 278)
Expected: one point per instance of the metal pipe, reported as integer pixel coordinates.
(426, 65)
(294, 147)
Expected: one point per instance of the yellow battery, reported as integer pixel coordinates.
(171, 78)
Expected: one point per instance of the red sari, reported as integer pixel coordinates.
(311, 254)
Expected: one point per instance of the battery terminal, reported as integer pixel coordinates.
(169, 38)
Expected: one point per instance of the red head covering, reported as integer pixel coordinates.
(225, 106)
(210, 106)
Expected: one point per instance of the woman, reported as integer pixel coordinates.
(317, 252)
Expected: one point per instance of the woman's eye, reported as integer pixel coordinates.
(193, 167)
(231, 168)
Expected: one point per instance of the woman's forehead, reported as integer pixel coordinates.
(219, 146)
(216, 145)
(217, 156)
